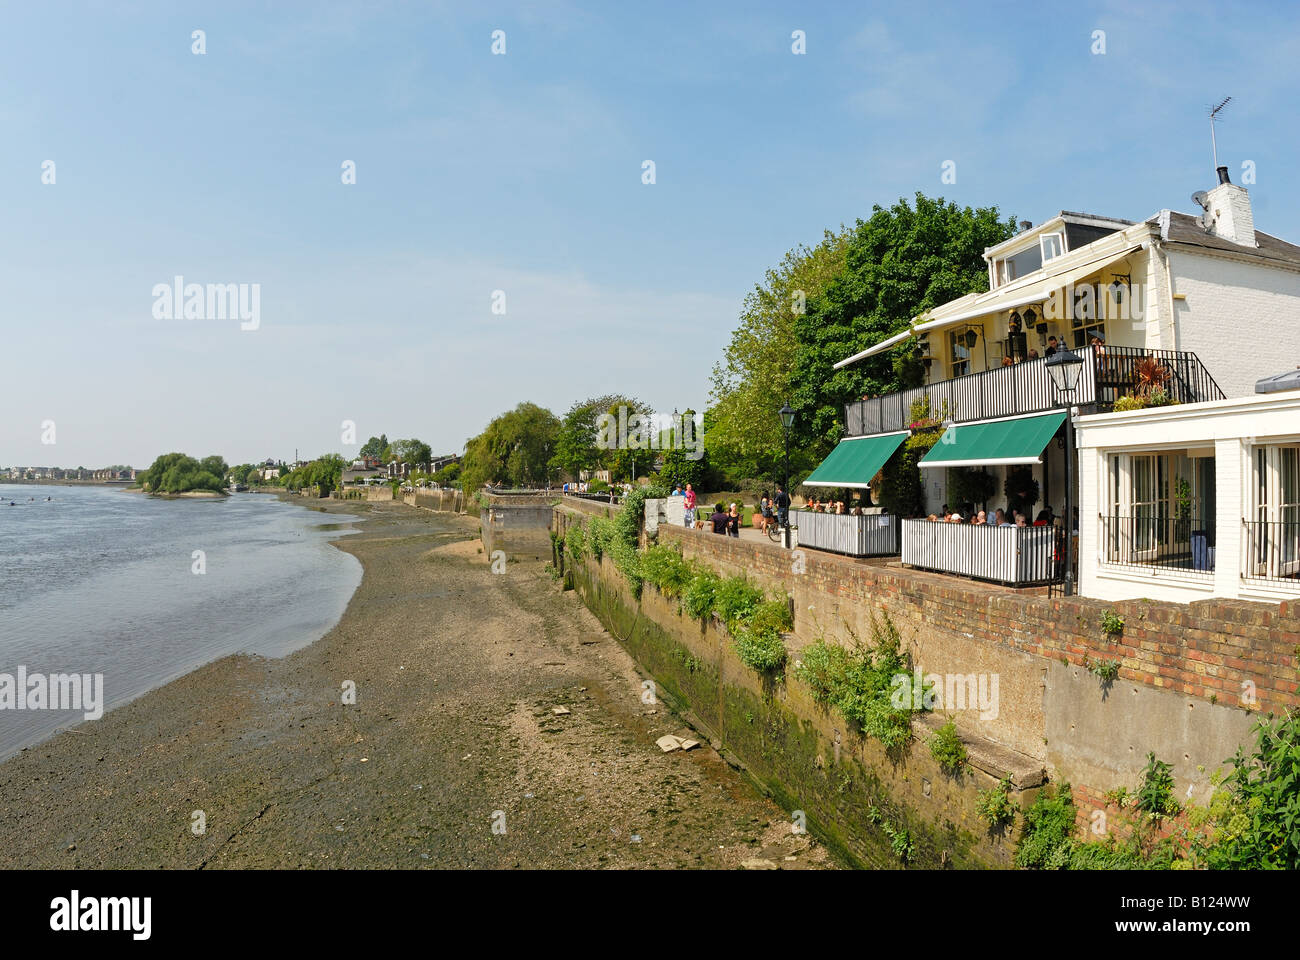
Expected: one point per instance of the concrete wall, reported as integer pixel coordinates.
(452, 501)
(520, 530)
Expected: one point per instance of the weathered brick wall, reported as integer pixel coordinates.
(1229, 649)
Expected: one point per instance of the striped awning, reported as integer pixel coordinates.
(994, 442)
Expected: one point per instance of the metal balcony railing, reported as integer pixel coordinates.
(1186, 544)
(1272, 549)
(1027, 388)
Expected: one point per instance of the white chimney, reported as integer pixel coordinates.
(1228, 213)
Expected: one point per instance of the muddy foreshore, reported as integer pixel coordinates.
(451, 756)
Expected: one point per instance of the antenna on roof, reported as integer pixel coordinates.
(1214, 116)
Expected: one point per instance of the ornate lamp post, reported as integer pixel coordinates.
(1065, 367)
(787, 420)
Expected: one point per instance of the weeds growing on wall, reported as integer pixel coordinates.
(574, 542)
(994, 806)
(863, 682)
(947, 749)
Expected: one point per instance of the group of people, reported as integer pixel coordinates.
(835, 506)
(727, 521)
(1000, 518)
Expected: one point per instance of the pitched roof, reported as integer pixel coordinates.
(1184, 228)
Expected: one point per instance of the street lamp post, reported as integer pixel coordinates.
(787, 420)
(1065, 367)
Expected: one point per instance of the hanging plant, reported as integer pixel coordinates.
(1021, 489)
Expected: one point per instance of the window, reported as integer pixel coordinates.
(958, 354)
(1161, 510)
(1085, 318)
(1052, 245)
(1273, 538)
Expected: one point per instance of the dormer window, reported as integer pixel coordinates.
(1052, 245)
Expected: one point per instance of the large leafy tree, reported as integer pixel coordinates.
(515, 449)
(575, 443)
(412, 451)
(898, 263)
(375, 446)
(744, 438)
(178, 473)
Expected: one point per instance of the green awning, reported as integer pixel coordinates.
(995, 442)
(855, 461)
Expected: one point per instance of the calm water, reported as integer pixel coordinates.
(100, 581)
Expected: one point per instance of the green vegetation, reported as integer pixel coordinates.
(870, 685)
(700, 591)
(324, 472)
(1254, 818)
(1155, 796)
(897, 264)
(1112, 624)
(994, 806)
(514, 450)
(946, 748)
(179, 473)
(902, 490)
(970, 486)
(1105, 670)
(574, 542)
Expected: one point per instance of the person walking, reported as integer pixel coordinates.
(782, 506)
(733, 521)
(690, 505)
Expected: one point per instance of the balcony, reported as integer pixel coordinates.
(1026, 388)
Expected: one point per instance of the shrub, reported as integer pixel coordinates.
(861, 682)
(628, 562)
(1112, 624)
(1255, 826)
(1048, 837)
(1155, 797)
(946, 747)
(599, 530)
(1129, 403)
(698, 598)
(735, 600)
(762, 649)
(575, 542)
(664, 567)
(994, 805)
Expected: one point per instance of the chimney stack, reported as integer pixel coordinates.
(1025, 225)
(1227, 211)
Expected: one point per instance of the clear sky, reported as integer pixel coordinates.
(522, 173)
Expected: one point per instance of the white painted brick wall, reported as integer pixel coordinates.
(1242, 320)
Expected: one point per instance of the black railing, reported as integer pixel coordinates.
(1272, 549)
(1027, 388)
(1159, 541)
(1017, 556)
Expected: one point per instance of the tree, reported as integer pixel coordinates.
(515, 449)
(575, 443)
(179, 473)
(412, 451)
(447, 476)
(214, 465)
(745, 438)
(375, 446)
(899, 263)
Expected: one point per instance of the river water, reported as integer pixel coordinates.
(97, 580)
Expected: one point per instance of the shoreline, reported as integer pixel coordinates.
(457, 673)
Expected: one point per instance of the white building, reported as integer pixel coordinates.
(1176, 317)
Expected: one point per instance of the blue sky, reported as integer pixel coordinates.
(522, 173)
